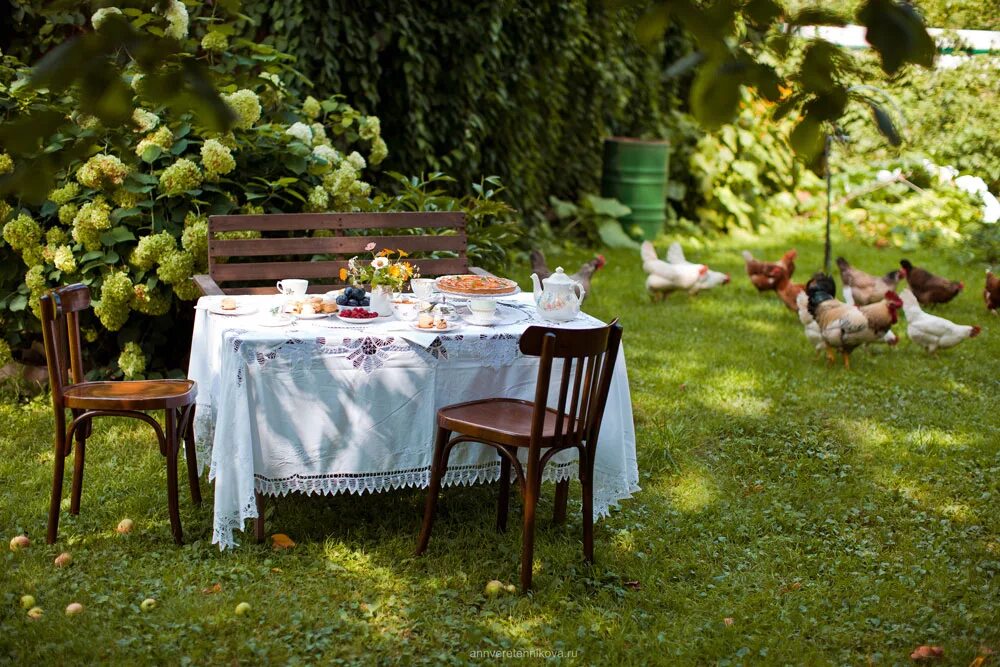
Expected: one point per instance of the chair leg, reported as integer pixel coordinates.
(503, 501)
(438, 467)
(587, 482)
(562, 495)
(258, 524)
(192, 459)
(531, 489)
(172, 448)
(57, 480)
(78, 460)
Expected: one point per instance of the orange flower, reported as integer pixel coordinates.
(384, 252)
(403, 253)
(343, 274)
(784, 91)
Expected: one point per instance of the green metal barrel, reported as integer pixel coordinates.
(635, 173)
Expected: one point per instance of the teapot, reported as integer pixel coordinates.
(560, 298)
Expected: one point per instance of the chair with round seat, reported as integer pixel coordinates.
(60, 310)
(587, 359)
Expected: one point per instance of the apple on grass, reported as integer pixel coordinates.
(63, 559)
(125, 526)
(74, 608)
(27, 601)
(19, 542)
(242, 608)
(493, 588)
(148, 604)
(35, 613)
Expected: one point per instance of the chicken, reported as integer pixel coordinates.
(665, 278)
(811, 327)
(931, 332)
(675, 255)
(991, 293)
(765, 275)
(928, 288)
(865, 288)
(846, 327)
(582, 276)
(789, 292)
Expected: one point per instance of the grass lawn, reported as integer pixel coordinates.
(789, 514)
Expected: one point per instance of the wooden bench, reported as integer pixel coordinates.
(286, 248)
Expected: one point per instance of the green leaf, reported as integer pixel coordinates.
(807, 138)
(817, 16)
(896, 31)
(19, 302)
(117, 235)
(151, 153)
(715, 93)
(613, 236)
(884, 123)
(609, 207)
(120, 213)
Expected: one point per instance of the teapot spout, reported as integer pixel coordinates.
(536, 286)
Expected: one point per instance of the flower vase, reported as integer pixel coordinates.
(381, 300)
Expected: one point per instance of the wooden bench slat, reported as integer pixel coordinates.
(300, 221)
(326, 269)
(334, 245)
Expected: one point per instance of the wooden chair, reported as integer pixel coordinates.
(588, 360)
(86, 400)
(436, 242)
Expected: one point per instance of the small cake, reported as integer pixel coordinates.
(228, 303)
(329, 307)
(441, 324)
(307, 309)
(425, 321)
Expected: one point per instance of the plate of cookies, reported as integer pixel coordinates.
(311, 307)
(230, 306)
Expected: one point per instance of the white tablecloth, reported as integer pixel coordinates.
(322, 406)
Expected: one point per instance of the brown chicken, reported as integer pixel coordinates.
(766, 275)
(789, 292)
(844, 326)
(582, 276)
(992, 292)
(928, 288)
(866, 288)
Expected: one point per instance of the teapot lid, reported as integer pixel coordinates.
(558, 277)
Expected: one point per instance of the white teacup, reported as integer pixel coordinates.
(422, 288)
(483, 310)
(292, 286)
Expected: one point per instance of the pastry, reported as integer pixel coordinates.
(441, 324)
(473, 284)
(228, 303)
(425, 321)
(329, 307)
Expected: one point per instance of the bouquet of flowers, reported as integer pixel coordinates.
(384, 270)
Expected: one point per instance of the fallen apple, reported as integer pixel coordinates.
(27, 601)
(74, 608)
(242, 608)
(147, 604)
(493, 588)
(125, 526)
(35, 613)
(19, 542)
(510, 588)
(63, 559)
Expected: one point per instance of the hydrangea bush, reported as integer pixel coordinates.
(128, 217)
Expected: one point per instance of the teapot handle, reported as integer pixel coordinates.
(578, 288)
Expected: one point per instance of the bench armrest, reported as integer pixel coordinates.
(480, 272)
(207, 286)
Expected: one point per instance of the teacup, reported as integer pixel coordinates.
(292, 286)
(483, 310)
(422, 288)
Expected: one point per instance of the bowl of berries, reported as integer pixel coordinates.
(359, 315)
(353, 297)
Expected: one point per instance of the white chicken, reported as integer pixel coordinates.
(665, 278)
(811, 327)
(675, 255)
(931, 332)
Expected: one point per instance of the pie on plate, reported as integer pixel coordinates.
(473, 284)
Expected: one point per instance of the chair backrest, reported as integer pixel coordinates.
(286, 246)
(588, 363)
(61, 335)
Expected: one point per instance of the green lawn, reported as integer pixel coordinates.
(836, 517)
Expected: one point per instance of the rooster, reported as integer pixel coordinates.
(931, 332)
(582, 276)
(766, 275)
(675, 255)
(991, 294)
(846, 327)
(928, 288)
(811, 327)
(664, 278)
(865, 288)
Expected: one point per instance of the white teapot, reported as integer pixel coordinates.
(560, 299)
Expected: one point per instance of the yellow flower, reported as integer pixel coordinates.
(394, 270)
(403, 253)
(384, 252)
(343, 274)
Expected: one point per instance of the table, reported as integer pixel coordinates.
(324, 406)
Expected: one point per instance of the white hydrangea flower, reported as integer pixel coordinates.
(101, 15)
(300, 131)
(971, 184)
(177, 20)
(328, 153)
(356, 160)
(145, 120)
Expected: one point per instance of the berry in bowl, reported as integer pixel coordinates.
(357, 314)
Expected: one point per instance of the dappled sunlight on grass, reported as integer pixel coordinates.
(691, 491)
